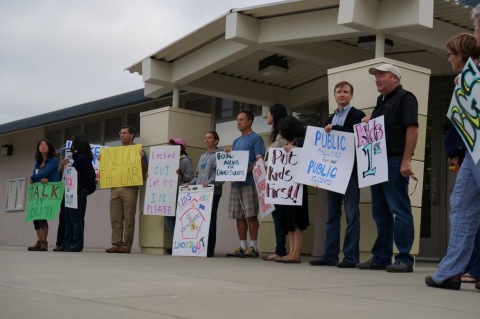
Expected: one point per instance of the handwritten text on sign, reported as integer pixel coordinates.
(232, 166)
(121, 166)
(95, 151)
(44, 200)
(371, 151)
(260, 178)
(161, 190)
(327, 159)
(464, 112)
(282, 167)
(70, 178)
(194, 210)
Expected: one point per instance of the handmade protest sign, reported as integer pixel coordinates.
(327, 159)
(161, 185)
(95, 151)
(282, 167)
(260, 178)
(464, 111)
(194, 208)
(70, 178)
(121, 166)
(371, 152)
(232, 166)
(44, 200)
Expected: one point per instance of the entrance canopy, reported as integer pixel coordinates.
(302, 39)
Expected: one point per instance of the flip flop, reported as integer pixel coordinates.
(468, 279)
(272, 257)
(289, 261)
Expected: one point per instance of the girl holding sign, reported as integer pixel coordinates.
(45, 170)
(205, 175)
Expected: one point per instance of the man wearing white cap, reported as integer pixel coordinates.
(391, 208)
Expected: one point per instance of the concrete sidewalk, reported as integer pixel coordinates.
(93, 284)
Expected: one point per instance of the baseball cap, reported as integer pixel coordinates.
(386, 68)
(178, 141)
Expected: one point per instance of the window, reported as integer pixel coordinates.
(16, 190)
(200, 104)
(92, 131)
(55, 137)
(133, 119)
(112, 127)
(229, 109)
(71, 131)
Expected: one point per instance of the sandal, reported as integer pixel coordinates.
(468, 279)
(272, 257)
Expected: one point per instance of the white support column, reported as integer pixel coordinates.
(176, 97)
(380, 45)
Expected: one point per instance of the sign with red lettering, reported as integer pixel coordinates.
(161, 185)
(70, 178)
(281, 187)
(260, 178)
(371, 152)
(464, 113)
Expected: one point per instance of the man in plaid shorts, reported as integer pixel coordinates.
(243, 205)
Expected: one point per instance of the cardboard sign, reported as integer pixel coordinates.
(121, 166)
(70, 178)
(371, 152)
(194, 209)
(260, 178)
(281, 186)
(44, 200)
(232, 166)
(327, 159)
(161, 190)
(464, 112)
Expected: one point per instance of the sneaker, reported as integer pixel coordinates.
(251, 252)
(370, 265)
(453, 283)
(399, 266)
(320, 262)
(35, 247)
(113, 249)
(238, 253)
(344, 264)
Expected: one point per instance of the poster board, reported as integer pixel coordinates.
(260, 178)
(121, 166)
(70, 178)
(161, 185)
(281, 170)
(371, 152)
(194, 209)
(44, 200)
(327, 159)
(232, 166)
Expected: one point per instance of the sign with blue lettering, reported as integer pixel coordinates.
(371, 151)
(464, 111)
(161, 190)
(95, 151)
(327, 159)
(194, 209)
(232, 166)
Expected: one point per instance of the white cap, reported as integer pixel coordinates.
(386, 68)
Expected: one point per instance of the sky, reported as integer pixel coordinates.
(60, 53)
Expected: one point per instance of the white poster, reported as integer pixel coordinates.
(260, 178)
(70, 178)
(232, 166)
(327, 159)
(371, 151)
(281, 186)
(95, 150)
(161, 185)
(194, 209)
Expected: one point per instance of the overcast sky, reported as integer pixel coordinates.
(60, 53)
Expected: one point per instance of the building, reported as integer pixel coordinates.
(221, 68)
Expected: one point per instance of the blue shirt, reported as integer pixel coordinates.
(340, 115)
(253, 143)
(49, 171)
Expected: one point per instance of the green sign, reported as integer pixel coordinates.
(44, 200)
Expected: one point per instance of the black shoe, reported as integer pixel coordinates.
(319, 262)
(400, 267)
(453, 283)
(477, 285)
(370, 265)
(58, 248)
(168, 251)
(344, 264)
(71, 250)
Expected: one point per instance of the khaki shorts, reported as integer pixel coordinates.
(243, 202)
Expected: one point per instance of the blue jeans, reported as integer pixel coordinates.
(473, 267)
(464, 223)
(392, 213)
(352, 233)
(170, 223)
(212, 229)
(75, 223)
(280, 238)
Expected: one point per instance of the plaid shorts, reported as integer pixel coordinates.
(243, 202)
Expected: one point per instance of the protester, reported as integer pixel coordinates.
(61, 214)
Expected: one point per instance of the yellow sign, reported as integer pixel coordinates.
(121, 166)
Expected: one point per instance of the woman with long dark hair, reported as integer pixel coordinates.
(75, 217)
(276, 112)
(44, 171)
